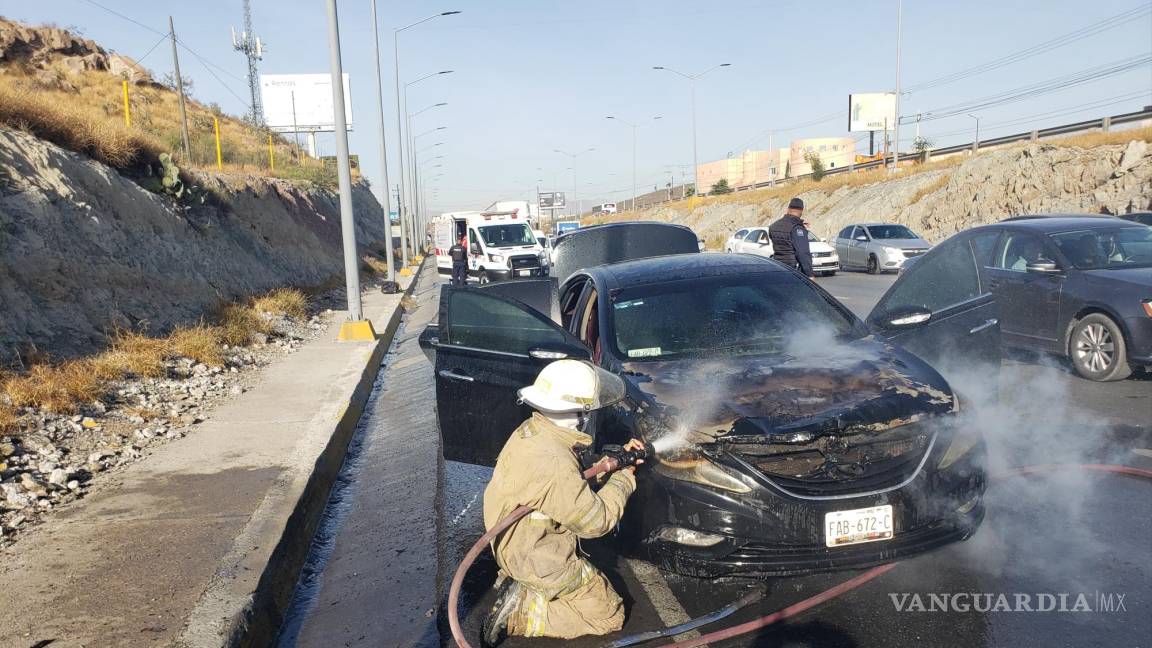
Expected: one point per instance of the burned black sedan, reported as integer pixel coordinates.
(789, 438)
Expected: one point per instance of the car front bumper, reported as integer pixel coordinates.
(1139, 339)
(770, 533)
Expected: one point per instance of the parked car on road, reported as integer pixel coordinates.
(1142, 217)
(878, 247)
(802, 439)
(1076, 286)
(754, 240)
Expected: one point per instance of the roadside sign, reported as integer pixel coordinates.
(301, 103)
(551, 200)
(871, 111)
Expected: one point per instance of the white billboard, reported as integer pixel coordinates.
(301, 103)
(871, 111)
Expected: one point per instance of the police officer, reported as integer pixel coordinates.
(459, 255)
(790, 239)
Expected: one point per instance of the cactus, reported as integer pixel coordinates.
(170, 176)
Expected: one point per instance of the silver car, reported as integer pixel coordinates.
(877, 247)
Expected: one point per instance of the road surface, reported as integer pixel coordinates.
(410, 517)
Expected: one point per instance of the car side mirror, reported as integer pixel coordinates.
(1043, 267)
(907, 318)
(862, 238)
(475, 248)
(558, 351)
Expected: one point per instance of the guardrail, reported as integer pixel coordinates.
(1102, 123)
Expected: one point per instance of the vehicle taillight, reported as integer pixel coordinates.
(1147, 303)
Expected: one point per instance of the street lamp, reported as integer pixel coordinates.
(976, 142)
(418, 213)
(692, 82)
(634, 127)
(400, 117)
(574, 156)
(406, 173)
(387, 190)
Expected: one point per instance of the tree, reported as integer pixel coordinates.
(816, 164)
(922, 146)
(169, 81)
(721, 187)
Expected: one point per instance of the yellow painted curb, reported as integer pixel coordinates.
(360, 331)
(405, 271)
(417, 259)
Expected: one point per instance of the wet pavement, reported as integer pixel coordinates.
(1065, 540)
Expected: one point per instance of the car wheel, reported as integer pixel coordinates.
(1097, 349)
(483, 278)
(830, 273)
(873, 264)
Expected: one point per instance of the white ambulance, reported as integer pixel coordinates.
(501, 245)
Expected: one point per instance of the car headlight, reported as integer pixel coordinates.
(693, 466)
(496, 258)
(893, 252)
(689, 537)
(964, 438)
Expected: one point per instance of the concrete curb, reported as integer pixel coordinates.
(259, 619)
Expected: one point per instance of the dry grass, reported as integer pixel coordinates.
(238, 324)
(289, 302)
(200, 343)
(1090, 140)
(930, 188)
(8, 418)
(374, 264)
(59, 389)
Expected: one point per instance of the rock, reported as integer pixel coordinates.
(1133, 154)
(95, 457)
(73, 485)
(236, 390)
(89, 422)
(7, 449)
(58, 477)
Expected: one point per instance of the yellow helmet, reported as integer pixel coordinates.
(568, 386)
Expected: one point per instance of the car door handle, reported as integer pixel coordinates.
(986, 325)
(445, 373)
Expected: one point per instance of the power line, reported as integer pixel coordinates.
(153, 48)
(1053, 43)
(117, 13)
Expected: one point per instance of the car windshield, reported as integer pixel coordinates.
(891, 232)
(507, 235)
(1116, 247)
(722, 317)
(812, 237)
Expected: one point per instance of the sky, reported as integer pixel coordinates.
(532, 76)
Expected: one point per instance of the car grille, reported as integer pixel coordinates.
(908, 254)
(821, 255)
(525, 261)
(840, 464)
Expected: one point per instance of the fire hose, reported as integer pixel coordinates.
(611, 464)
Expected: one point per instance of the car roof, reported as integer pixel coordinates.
(1049, 223)
(675, 267)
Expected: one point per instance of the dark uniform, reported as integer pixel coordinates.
(459, 255)
(790, 243)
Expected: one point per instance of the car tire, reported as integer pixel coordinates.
(873, 265)
(830, 273)
(482, 278)
(1097, 349)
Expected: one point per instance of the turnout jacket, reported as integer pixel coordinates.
(538, 468)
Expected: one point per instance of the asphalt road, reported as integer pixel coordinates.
(1066, 533)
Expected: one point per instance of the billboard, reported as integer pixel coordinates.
(871, 111)
(301, 103)
(552, 200)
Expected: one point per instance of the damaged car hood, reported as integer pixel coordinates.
(864, 385)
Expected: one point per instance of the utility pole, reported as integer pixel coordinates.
(180, 91)
(253, 50)
(356, 328)
(899, 37)
(692, 83)
(389, 255)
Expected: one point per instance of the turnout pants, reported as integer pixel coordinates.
(459, 274)
(590, 606)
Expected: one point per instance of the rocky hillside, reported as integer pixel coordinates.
(947, 197)
(84, 249)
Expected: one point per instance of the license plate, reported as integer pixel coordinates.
(523, 273)
(858, 525)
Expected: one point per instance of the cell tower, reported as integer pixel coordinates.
(249, 43)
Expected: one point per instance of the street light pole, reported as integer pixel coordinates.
(976, 142)
(634, 127)
(387, 191)
(692, 85)
(420, 215)
(899, 31)
(400, 129)
(575, 187)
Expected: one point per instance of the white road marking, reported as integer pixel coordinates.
(667, 605)
(1143, 452)
(463, 511)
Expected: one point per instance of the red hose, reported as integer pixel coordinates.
(853, 583)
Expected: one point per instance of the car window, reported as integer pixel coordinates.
(812, 237)
(983, 246)
(486, 322)
(740, 233)
(751, 237)
(856, 231)
(721, 317)
(1017, 250)
(944, 277)
(507, 235)
(1096, 249)
(845, 233)
(888, 232)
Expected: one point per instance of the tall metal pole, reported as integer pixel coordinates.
(389, 254)
(347, 217)
(899, 31)
(400, 131)
(180, 90)
(695, 159)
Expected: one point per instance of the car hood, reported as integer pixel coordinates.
(903, 243)
(1137, 277)
(820, 246)
(864, 384)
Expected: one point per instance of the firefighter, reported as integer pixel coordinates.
(459, 255)
(789, 237)
(545, 588)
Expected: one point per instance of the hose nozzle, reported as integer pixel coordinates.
(619, 458)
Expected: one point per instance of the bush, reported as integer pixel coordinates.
(288, 302)
(721, 187)
(816, 164)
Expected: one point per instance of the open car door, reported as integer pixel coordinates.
(486, 347)
(942, 309)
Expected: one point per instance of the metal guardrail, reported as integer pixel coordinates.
(1102, 123)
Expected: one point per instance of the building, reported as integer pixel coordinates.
(835, 152)
(757, 167)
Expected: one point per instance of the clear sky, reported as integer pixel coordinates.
(531, 76)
